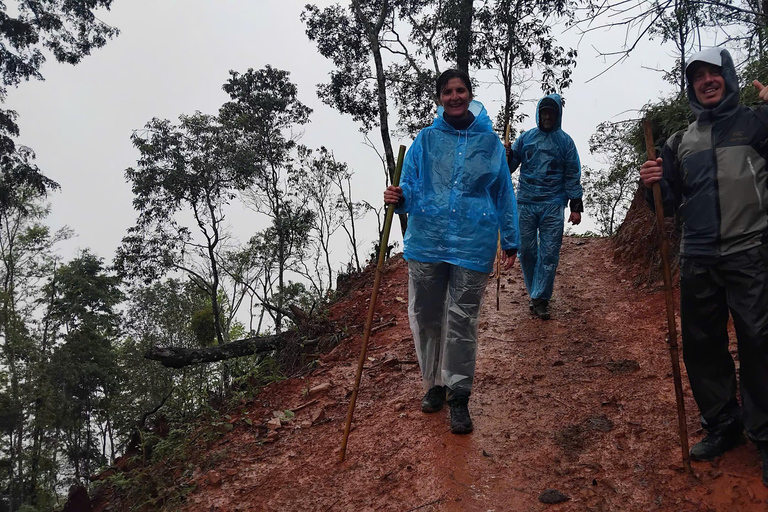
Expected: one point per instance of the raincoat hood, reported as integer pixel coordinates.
(730, 102)
(555, 101)
(482, 122)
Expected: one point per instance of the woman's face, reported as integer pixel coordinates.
(455, 98)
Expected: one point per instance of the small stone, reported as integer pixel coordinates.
(213, 478)
(320, 389)
(399, 407)
(553, 496)
(274, 424)
(305, 424)
(318, 416)
(231, 472)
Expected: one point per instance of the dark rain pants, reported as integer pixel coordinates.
(443, 308)
(708, 291)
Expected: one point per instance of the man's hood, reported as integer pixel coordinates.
(482, 122)
(730, 102)
(555, 101)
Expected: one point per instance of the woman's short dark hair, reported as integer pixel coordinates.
(446, 75)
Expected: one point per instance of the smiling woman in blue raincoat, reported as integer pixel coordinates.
(550, 175)
(456, 189)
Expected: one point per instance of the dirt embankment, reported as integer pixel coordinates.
(583, 404)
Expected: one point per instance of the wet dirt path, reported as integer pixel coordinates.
(583, 403)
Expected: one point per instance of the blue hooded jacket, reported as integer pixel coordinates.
(458, 194)
(550, 171)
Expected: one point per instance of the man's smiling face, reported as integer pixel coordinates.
(708, 84)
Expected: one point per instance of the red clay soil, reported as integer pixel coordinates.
(583, 403)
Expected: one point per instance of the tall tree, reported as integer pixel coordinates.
(318, 183)
(458, 21)
(353, 37)
(515, 38)
(69, 30)
(26, 260)
(193, 167)
(84, 363)
(264, 107)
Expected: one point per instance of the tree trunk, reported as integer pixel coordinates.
(373, 31)
(176, 357)
(463, 34)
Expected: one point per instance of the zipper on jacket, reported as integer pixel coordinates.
(754, 182)
(717, 191)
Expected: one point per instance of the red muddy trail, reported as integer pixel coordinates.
(583, 403)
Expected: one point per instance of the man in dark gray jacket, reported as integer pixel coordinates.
(713, 175)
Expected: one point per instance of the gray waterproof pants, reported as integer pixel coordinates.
(443, 307)
(708, 291)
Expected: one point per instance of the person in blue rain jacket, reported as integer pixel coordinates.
(550, 176)
(457, 192)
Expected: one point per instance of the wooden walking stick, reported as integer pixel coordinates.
(372, 306)
(671, 325)
(498, 244)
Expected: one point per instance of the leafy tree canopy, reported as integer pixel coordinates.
(69, 30)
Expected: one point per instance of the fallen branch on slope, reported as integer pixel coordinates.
(176, 357)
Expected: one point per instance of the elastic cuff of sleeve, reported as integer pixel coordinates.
(577, 205)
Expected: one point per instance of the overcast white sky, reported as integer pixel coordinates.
(173, 56)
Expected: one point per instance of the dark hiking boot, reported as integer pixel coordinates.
(714, 445)
(530, 307)
(433, 400)
(541, 308)
(461, 423)
(762, 447)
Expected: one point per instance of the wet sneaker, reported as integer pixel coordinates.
(433, 400)
(715, 445)
(541, 308)
(461, 423)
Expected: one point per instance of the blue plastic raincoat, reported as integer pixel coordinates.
(458, 193)
(550, 170)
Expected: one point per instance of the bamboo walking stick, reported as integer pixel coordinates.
(671, 325)
(498, 244)
(372, 306)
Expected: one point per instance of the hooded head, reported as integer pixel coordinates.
(549, 113)
(713, 87)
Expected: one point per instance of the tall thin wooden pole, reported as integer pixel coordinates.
(671, 324)
(372, 306)
(498, 244)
